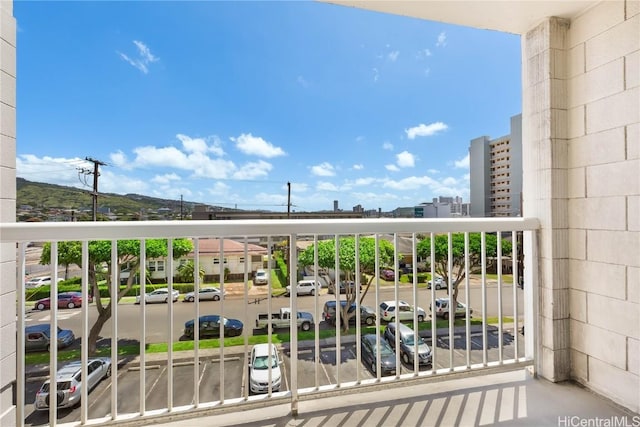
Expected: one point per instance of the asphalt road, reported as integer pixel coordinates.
(159, 320)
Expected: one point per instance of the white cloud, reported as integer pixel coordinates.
(376, 75)
(302, 82)
(120, 160)
(442, 39)
(358, 167)
(462, 163)
(433, 171)
(219, 189)
(405, 160)
(145, 57)
(54, 170)
(393, 56)
(325, 186)
(427, 71)
(359, 138)
(256, 146)
(410, 183)
(323, 169)
(165, 179)
(425, 130)
(449, 181)
(387, 146)
(253, 170)
(392, 168)
(201, 145)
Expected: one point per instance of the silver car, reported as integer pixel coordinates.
(159, 295)
(210, 293)
(69, 385)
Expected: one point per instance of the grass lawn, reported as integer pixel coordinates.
(278, 337)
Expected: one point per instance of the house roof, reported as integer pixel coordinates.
(230, 247)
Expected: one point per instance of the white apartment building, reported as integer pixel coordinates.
(495, 167)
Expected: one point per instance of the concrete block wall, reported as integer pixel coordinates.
(603, 174)
(545, 186)
(7, 212)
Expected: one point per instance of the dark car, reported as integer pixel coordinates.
(409, 342)
(368, 347)
(65, 300)
(210, 327)
(387, 274)
(38, 337)
(367, 314)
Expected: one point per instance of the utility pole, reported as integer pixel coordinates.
(96, 174)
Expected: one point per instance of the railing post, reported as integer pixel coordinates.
(531, 343)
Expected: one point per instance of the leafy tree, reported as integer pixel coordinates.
(440, 260)
(347, 265)
(99, 255)
(186, 272)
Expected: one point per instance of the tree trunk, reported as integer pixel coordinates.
(94, 333)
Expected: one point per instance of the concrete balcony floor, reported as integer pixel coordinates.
(505, 398)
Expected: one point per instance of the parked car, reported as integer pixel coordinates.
(442, 308)
(343, 287)
(159, 295)
(387, 274)
(65, 300)
(369, 354)
(282, 319)
(408, 342)
(210, 327)
(69, 384)
(439, 283)
(38, 337)
(306, 287)
(389, 310)
(367, 314)
(261, 277)
(263, 355)
(36, 282)
(210, 293)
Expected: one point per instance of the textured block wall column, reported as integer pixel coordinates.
(7, 212)
(544, 148)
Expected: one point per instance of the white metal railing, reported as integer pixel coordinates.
(327, 353)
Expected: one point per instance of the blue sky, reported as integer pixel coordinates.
(223, 103)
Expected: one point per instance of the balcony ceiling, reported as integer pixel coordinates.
(515, 17)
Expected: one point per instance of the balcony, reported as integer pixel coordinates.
(486, 367)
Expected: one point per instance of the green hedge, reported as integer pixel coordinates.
(45, 291)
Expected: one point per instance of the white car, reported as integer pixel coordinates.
(439, 283)
(259, 368)
(442, 308)
(261, 277)
(36, 282)
(306, 287)
(210, 293)
(159, 295)
(389, 310)
(68, 383)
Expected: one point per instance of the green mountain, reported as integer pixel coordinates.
(37, 199)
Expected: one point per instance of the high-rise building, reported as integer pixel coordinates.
(496, 173)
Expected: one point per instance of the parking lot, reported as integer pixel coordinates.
(235, 380)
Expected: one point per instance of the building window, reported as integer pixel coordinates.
(216, 261)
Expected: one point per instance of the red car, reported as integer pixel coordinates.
(65, 300)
